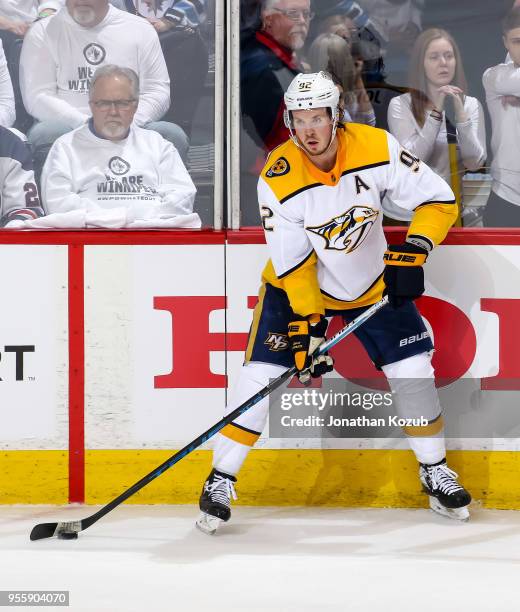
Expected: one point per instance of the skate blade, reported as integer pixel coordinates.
(459, 514)
(207, 523)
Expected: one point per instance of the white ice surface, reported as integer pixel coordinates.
(151, 558)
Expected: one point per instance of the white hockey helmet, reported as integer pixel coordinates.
(309, 91)
(314, 90)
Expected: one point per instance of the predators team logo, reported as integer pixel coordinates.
(279, 168)
(118, 165)
(276, 342)
(94, 54)
(347, 231)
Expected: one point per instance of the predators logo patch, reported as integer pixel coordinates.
(347, 231)
(279, 168)
(277, 342)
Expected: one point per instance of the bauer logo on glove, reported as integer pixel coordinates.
(403, 259)
(404, 275)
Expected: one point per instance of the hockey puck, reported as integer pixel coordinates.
(68, 535)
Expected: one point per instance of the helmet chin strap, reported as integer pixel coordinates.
(294, 138)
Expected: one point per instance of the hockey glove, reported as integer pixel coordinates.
(404, 275)
(304, 340)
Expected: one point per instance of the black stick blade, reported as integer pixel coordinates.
(43, 530)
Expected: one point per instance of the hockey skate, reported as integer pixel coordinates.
(447, 496)
(215, 501)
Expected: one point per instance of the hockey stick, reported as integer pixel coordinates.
(70, 529)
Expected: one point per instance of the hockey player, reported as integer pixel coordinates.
(322, 196)
(18, 192)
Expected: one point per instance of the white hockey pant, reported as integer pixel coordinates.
(413, 384)
(234, 441)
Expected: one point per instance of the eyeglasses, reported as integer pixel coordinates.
(106, 105)
(295, 14)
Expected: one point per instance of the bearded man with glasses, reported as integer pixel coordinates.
(111, 173)
(59, 56)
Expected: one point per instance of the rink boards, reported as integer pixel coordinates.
(117, 348)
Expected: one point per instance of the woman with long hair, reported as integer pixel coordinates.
(436, 120)
(333, 54)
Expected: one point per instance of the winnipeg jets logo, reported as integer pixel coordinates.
(118, 165)
(347, 231)
(94, 54)
(276, 342)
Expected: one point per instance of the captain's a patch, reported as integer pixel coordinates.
(279, 168)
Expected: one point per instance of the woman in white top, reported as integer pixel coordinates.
(438, 88)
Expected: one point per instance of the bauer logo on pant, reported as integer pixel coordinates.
(347, 231)
(412, 339)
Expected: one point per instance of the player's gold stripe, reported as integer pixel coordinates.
(237, 434)
(372, 295)
(435, 203)
(297, 266)
(433, 428)
(257, 313)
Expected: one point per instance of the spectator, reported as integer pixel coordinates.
(16, 17)
(178, 24)
(60, 54)
(268, 63)
(339, 25)
(111, 173)
(387, 30)
(395, 24)
(166, 14)
(345, 18)
(332, 54)
(18, 192)
(398, 21)
(380, 91)
(7, 107)
(438, 111)
(267, 60)
(250, 20)
(364, 110)
(502, 85)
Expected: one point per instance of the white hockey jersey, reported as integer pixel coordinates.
(324, 230)
(18, 192)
